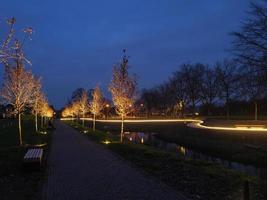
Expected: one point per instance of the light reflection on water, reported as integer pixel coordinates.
(150, 139)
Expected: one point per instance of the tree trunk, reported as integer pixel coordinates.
(20, 134)
(122, 126)
(227, 104)
(83, 119)
(256, 110)
(36, 122)
(193, 106)
(42, 123)
(45, 121)
(94, 123)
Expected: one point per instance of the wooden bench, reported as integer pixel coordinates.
(33, 157)
(250, 126)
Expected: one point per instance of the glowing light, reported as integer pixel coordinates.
(142, 140)
(137, 120)
(106, 142)
(238, 128)
(107, 105)
(85, 131)
(182, 150)
(131, 139)
(194, 124)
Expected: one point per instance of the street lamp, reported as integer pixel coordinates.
(107, 108)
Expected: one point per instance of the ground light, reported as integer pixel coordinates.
(193, 123)
(248, 128)
(106, 142)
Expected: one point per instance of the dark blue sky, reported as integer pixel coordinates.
(76, 42)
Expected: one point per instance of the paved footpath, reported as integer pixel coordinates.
(81, 169)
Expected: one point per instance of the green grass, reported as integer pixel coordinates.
(15, 182)
(195, 179)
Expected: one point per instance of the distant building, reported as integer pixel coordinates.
(6, 111)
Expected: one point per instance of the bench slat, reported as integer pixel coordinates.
(33, 155)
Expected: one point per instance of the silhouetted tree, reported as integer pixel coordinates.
(250, 44)
(192, 77)
(252, 88)
(209, 87)
(227, 73)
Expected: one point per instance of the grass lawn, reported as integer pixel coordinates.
(194, 179)
(16, 183)
(244, 147)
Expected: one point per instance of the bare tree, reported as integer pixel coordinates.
(123, 90)
(228, 79)
(209, 89)
(17, 90)
(250, 47)
(250, 44)
(192, 77)
(11, 48)
(179, 93)
(46, 111)
(83, 104)
(75, 109)
(96, 105)
(252, 87)
(37, 97)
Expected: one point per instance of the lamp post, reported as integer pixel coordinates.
(142, 109)
(107, 108)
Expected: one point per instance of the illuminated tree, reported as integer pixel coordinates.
(123, 90)
(17, 90)
(37, 98)
(66, 112)
(46, 111)
(75, 109)
(83, 104)
(11, 48)
(96, 104)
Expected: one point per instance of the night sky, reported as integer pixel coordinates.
(76, 42)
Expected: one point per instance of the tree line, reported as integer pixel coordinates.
(242, 78)
(21, 88)
(200, 85)
(123, 88)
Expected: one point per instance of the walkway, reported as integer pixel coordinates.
(80, 169)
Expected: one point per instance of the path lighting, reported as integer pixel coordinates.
(106, 142)
(142, 140)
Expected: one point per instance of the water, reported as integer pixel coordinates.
(149, 138)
